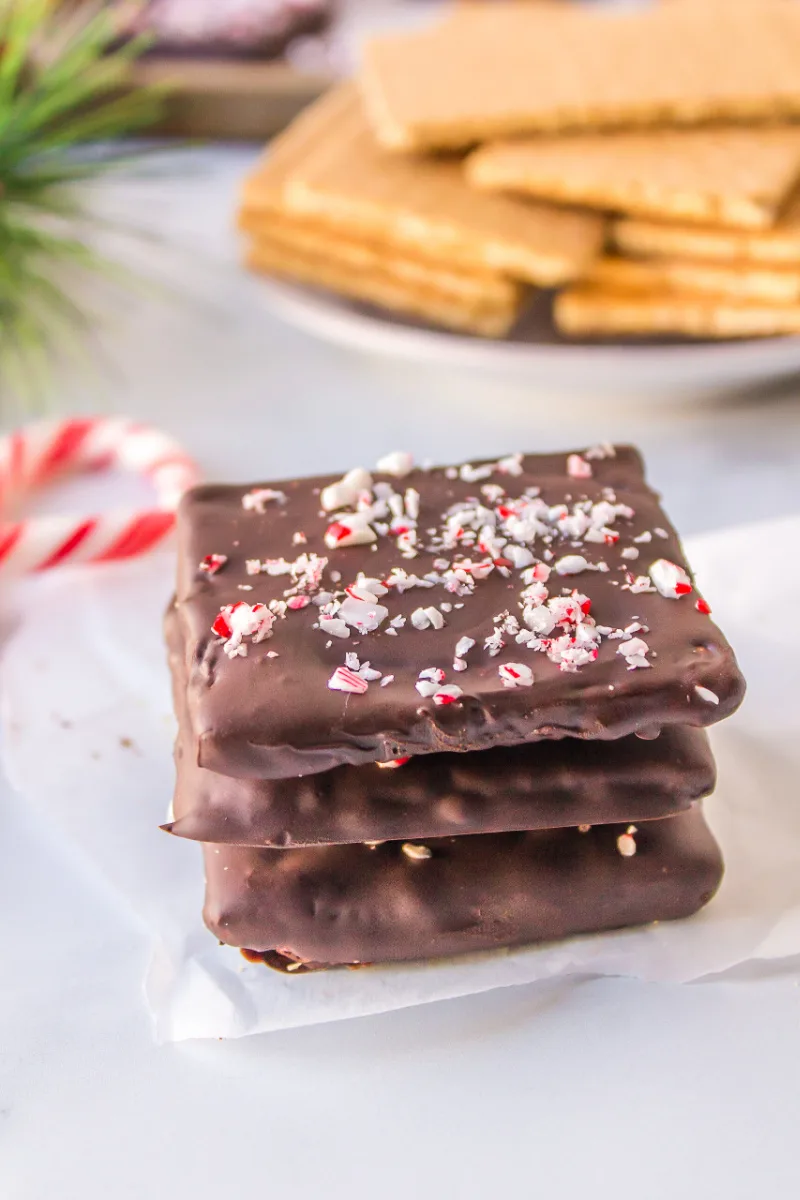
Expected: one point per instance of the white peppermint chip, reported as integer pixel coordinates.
(352, 661)
(420, 618)
(258, 499)
(571, 564)
(540, 620)
(470, 474)
(633, 647)
(463, 646)
(512, 465)
(515, 675)
(398, 463)
(459, 664)
(706, 694)
(334, 627)
(602, 450)
(629, 552)
(362, 610)
(416, 852)
(369, 673)
(426, 688)
(644, 537)
(518, 556)
(435, 617)
(670, 580)
(626, 845)
(447, 695)
(411, 500)
(387, 679)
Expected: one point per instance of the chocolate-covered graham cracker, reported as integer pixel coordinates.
(336, 621)
(549, 784)
(358, 904)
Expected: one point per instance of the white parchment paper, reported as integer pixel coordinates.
(87, 740)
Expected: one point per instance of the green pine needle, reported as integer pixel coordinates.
(66, 101)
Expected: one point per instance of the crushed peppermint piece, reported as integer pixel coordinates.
(659, 532)
(635, 652)
(459, 664)
(602, 450)
(435, 617)
(463, 646)
(387, 679)
(448, 694)
(706, 694)
(512, 465)
(426, 688)
(352, 530)
(644, 537)
(399, 463)
(470, 474)
(703, 606)
(578, 467)
(297, 602)
(345, 680)
(299, 539)
(670, 580)
(236, 622)
(515, 674)
(584, 828)
(626, 845)
(213, 563)
(571, 564)
(334, 626)
(393, 764)
(433, 673)
(346, 492)
(361, 610)
(629, 552)
(416, 852)
(258, 499)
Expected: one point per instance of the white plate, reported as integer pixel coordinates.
(536, 352)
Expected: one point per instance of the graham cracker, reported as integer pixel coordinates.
(313, 242)
(504, 69)
(487, 318)
(327, 168)
(746, 281)
(779, 245)
(720, 176)
(595, 310)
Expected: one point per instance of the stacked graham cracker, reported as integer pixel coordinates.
(642, 162)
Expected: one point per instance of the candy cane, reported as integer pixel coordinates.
(35, 457)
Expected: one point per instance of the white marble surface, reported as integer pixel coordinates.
(609, 1088)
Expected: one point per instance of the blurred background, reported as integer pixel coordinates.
(261, 380)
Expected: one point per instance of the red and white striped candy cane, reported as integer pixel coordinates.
(41, 454)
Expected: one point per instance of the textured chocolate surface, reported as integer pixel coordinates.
(348, 904)
(540, 786)
(275, 717)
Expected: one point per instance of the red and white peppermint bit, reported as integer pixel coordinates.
(706, 694)
(435, 674)
(345, 680)
(669, 579)
(236, 622)
(43, 453)
(515, 675)
(394, 762)
(298, 602)
(703, 606)
(399, 463)
(448, 694)
(578, 467)
(352, 530)
(213, 563)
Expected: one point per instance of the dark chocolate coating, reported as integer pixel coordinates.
(353, 904)
(540, 786)
(275, 718)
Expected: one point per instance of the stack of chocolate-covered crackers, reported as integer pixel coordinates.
(426, 712)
